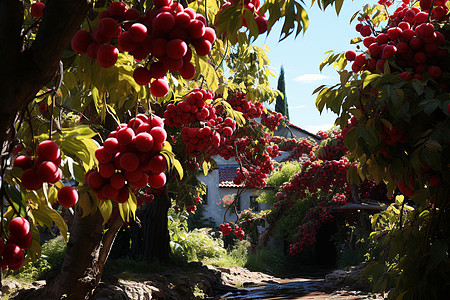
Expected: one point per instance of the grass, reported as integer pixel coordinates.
(51, 258)
(268, 261)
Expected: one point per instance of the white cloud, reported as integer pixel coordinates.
(315, 128)
(310, 78)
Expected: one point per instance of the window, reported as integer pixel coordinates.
(254, 205)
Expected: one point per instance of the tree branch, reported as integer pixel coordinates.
(23, 72)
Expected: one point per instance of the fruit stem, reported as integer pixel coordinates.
(224, 55)
(429, 11)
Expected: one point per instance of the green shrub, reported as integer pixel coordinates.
(51, 258)
(236, 257)
(264, 260)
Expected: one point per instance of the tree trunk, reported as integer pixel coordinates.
(83, 263)
(150, 237)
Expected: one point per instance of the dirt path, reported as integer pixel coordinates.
(196, 281)
(313, 284)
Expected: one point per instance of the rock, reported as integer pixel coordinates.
(9, 285)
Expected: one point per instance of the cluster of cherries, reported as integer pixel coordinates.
(410, 38)
(272, 121)
(303, 147)
(316, 216)
(249, 110)
(333, 148)
(256, 155)
(130, 159)
(191, 110)
(11, 254)
(317, 175)
(227, 230)
(45, 168)
(253, 6)
(208, 130)
(164, 32)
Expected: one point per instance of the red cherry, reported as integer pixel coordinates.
(176, 48)
(142, 76)
(159, 135)
(138, 32)
(117, 181)
(107, 55)
(159, 87)
(48, 150)
(129, 161)
(81, 41)
(157, 181)
(261, 22)
(158, 164)
(117, 9)
(102, 155)
(144, 142)
(95, 180)
(350, 55)
(31, 180)
(187, 71)
(434, 71)
(202, 46)
(123, 196)
(126, 43)
(23, 162)
(196, 29)
(13, 256)
(19, 227)
(37, 9)
(47, 171)
(109, 27)
(67, 196)
(163, 22)
(125, 135)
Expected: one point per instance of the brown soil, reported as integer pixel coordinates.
(195, 281)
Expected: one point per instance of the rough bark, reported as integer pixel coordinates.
(150, 238)
(24, 70)
(83, 265)
(77, 276)
(108, 241)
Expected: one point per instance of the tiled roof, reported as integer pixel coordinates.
(226, 176)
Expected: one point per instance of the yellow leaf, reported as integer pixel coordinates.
(105, 208)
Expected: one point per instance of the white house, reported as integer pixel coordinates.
(219, 182)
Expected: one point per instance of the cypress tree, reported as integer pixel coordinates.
(281, 104)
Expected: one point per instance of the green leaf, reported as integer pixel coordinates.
(431, 106)
(206, 166)
(179, 168)
(106, 208)
(433, 145)
(209, 74)
(88, 203)
(338, 5)
(369, 78)
(132, 204)
(124, 211)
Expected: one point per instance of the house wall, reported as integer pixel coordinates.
(214, 208)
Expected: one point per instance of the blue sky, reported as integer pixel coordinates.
(302, 56)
